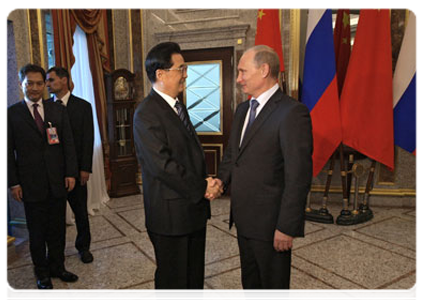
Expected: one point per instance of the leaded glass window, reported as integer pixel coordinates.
(204, 96)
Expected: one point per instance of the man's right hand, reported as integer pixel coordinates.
(16, 193)
(214, 188)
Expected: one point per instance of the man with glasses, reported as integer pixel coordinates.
(173, 174)
(42, 168)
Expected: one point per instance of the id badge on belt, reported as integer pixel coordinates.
(52, 136)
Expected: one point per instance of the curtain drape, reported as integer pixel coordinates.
(90, 21)
(94, 23)
(97, 190)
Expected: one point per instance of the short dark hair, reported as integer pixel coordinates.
(160, 58)
(60, 72)
(30, 68)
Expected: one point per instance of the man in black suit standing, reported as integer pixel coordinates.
(269, 166)
(173, 174)
(41, 170)
(81, 120)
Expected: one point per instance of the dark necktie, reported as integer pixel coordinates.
(183, 115)
(59, 101)
(253, 104)
(38, 120)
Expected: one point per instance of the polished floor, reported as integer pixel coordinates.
(378, 254)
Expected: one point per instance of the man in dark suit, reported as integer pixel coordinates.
(81, 120)
(268, 164)
(173, 174)
(41, 170)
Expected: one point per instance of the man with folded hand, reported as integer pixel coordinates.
(173, 174)
(81, 120)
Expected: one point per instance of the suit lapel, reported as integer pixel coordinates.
(26, 115)
(243, 109)
(174, 118)
(267, 110)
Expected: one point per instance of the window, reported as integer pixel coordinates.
(204, 96)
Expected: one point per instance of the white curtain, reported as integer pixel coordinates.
(83, 88)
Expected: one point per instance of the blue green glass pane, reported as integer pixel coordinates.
(203, 96)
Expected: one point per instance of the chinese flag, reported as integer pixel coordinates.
(366, 99)
(342, 41)
(269, 33)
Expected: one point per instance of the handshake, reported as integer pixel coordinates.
(214, 188)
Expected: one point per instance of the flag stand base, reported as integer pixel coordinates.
(356, 217)
(319, 215)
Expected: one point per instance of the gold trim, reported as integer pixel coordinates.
(213, 151)
(31, 54)
(294, 54)
(114, 38)
(142, 53)
(375, 191)
(10, 240)
(407, 16)
(131, 51)
(221, 132)
(215, 145)
(40, 36)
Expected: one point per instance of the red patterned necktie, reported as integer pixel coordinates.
(38, 120)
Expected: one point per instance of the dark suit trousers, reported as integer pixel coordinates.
(180, 260)
(46, 226)
(262, 267)
(78, 201)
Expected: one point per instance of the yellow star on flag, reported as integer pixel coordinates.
(345, 19)
(261, 14)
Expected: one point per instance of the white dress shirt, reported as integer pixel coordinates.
(64, 99)
(40, 107)
(171, 101)
(262, 100)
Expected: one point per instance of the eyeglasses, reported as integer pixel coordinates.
(182, 69)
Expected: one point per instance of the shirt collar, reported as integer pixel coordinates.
(64, 99)
(264, 97)
(29, 103)
(171, 101)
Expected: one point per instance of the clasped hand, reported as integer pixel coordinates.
(214, 188)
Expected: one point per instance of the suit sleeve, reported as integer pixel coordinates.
(156, 155)
(296, 142)
(88, 140)
(12, 170)
(71, 163)
(225, 167)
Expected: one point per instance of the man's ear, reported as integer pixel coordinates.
(265, 70)
(159, 74)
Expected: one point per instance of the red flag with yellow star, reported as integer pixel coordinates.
(269, 32)
(367, 97)
(342, 42)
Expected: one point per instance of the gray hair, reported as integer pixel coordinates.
(266, 55)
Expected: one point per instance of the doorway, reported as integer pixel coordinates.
(208, 96)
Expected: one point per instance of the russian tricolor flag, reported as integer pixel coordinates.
(404, 88)
(320, 87)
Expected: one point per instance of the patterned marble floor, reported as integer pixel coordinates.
(379, 254)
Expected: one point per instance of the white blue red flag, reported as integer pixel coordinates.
(320, 87)
(404, 88)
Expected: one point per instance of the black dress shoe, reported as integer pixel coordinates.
(86, 256)
(44, 283)
(65, 276)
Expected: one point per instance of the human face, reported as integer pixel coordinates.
(33, 86)
(56, 85)
(250, 77)
(172, 81)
